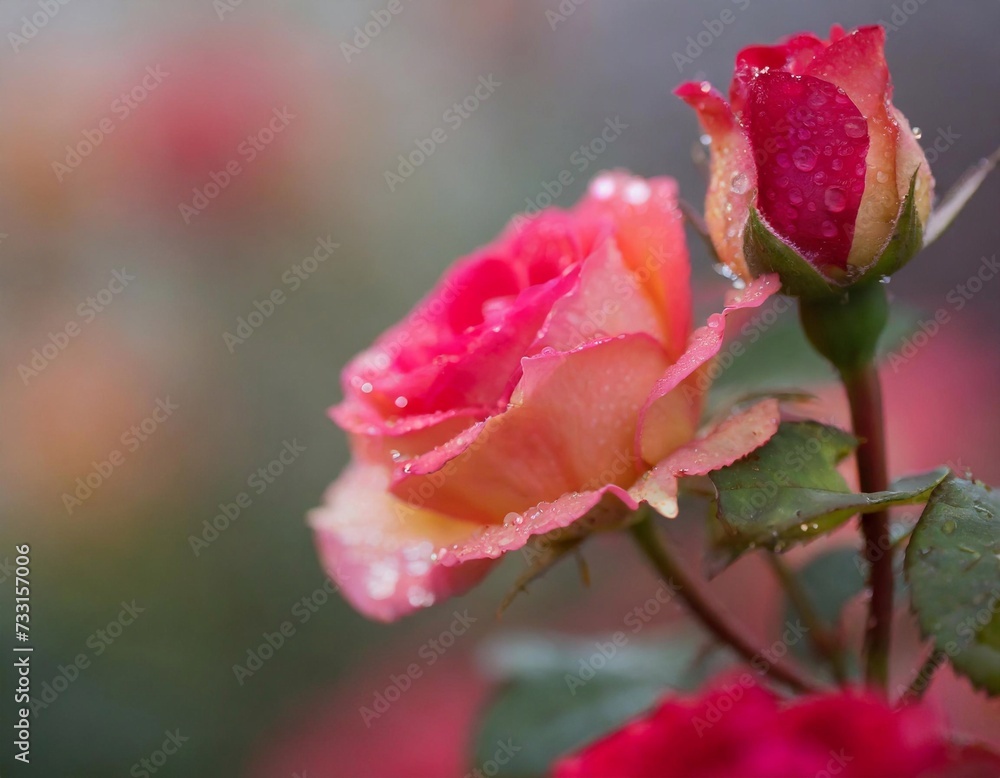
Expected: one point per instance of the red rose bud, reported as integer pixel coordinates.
(814, 174)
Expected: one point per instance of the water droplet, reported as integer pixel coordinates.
(816, 99)
(884, 280)
(882, 177)
(740, 184)
(637, 192)
(855, 128)
(804, 134)
(705, 140)
(819, 177)
(835, 199)
(804, 158)
(837, 164)
(401, 402)
(829, 229)
(949, 527)
(917, 133)
(804, 527)
(603, 187)
(706, 87)
(366, 387)
(794, 196)
(783, 160)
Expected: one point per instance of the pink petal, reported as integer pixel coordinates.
(518, 528)
(656, 426)
(730, 441)
(810, 143)
(379, 549)
(384, 440)
(570, 428)
(792, 55)
(733, 178)
(445, 356)
(856, 63)
(648, 230)
(604, 303)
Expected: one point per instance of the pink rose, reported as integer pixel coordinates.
(738, 729)
(811, 141)
(549, 374)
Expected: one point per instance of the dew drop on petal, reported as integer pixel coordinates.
(804, 158)
(917, 133)
(637, 192)
(401, 402)
(835, 199)
(855, 128)
(603, 187)
(829, 229)
(740, 184)
(366, 387)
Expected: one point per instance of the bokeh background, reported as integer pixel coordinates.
(117, 117)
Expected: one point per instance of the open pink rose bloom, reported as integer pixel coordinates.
(550, 374)
(810, 138)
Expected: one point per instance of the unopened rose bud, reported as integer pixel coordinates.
(814, 174)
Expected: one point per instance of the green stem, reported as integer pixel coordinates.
(823, 638)
(864, 393)
(700, 604)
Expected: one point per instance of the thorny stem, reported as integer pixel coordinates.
(701, 605)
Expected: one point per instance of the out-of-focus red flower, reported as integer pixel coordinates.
(739, 729)
(811, 140)
(548, 373)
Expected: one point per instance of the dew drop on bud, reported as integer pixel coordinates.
(804, 158)
(740, 184)
(855, 128)
(835, 199)
(917, 133)
(882, 176)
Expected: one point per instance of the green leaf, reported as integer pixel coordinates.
(953, 565)
(789, 491)
(831, 580)
(554, 705)
(907, 239)
(767, 253)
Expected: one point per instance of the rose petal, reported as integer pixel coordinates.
(910, 159)
(810, 142)
(385, 440)
(733, 176)
(731, 440)
(656, 425)
(423, 365)
(648, 229)
(603, 304)
(379, 549)
(792, 55)
(570, 428)
(856, 63)
(518, 528)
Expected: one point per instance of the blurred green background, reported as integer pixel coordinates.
(205, 150)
